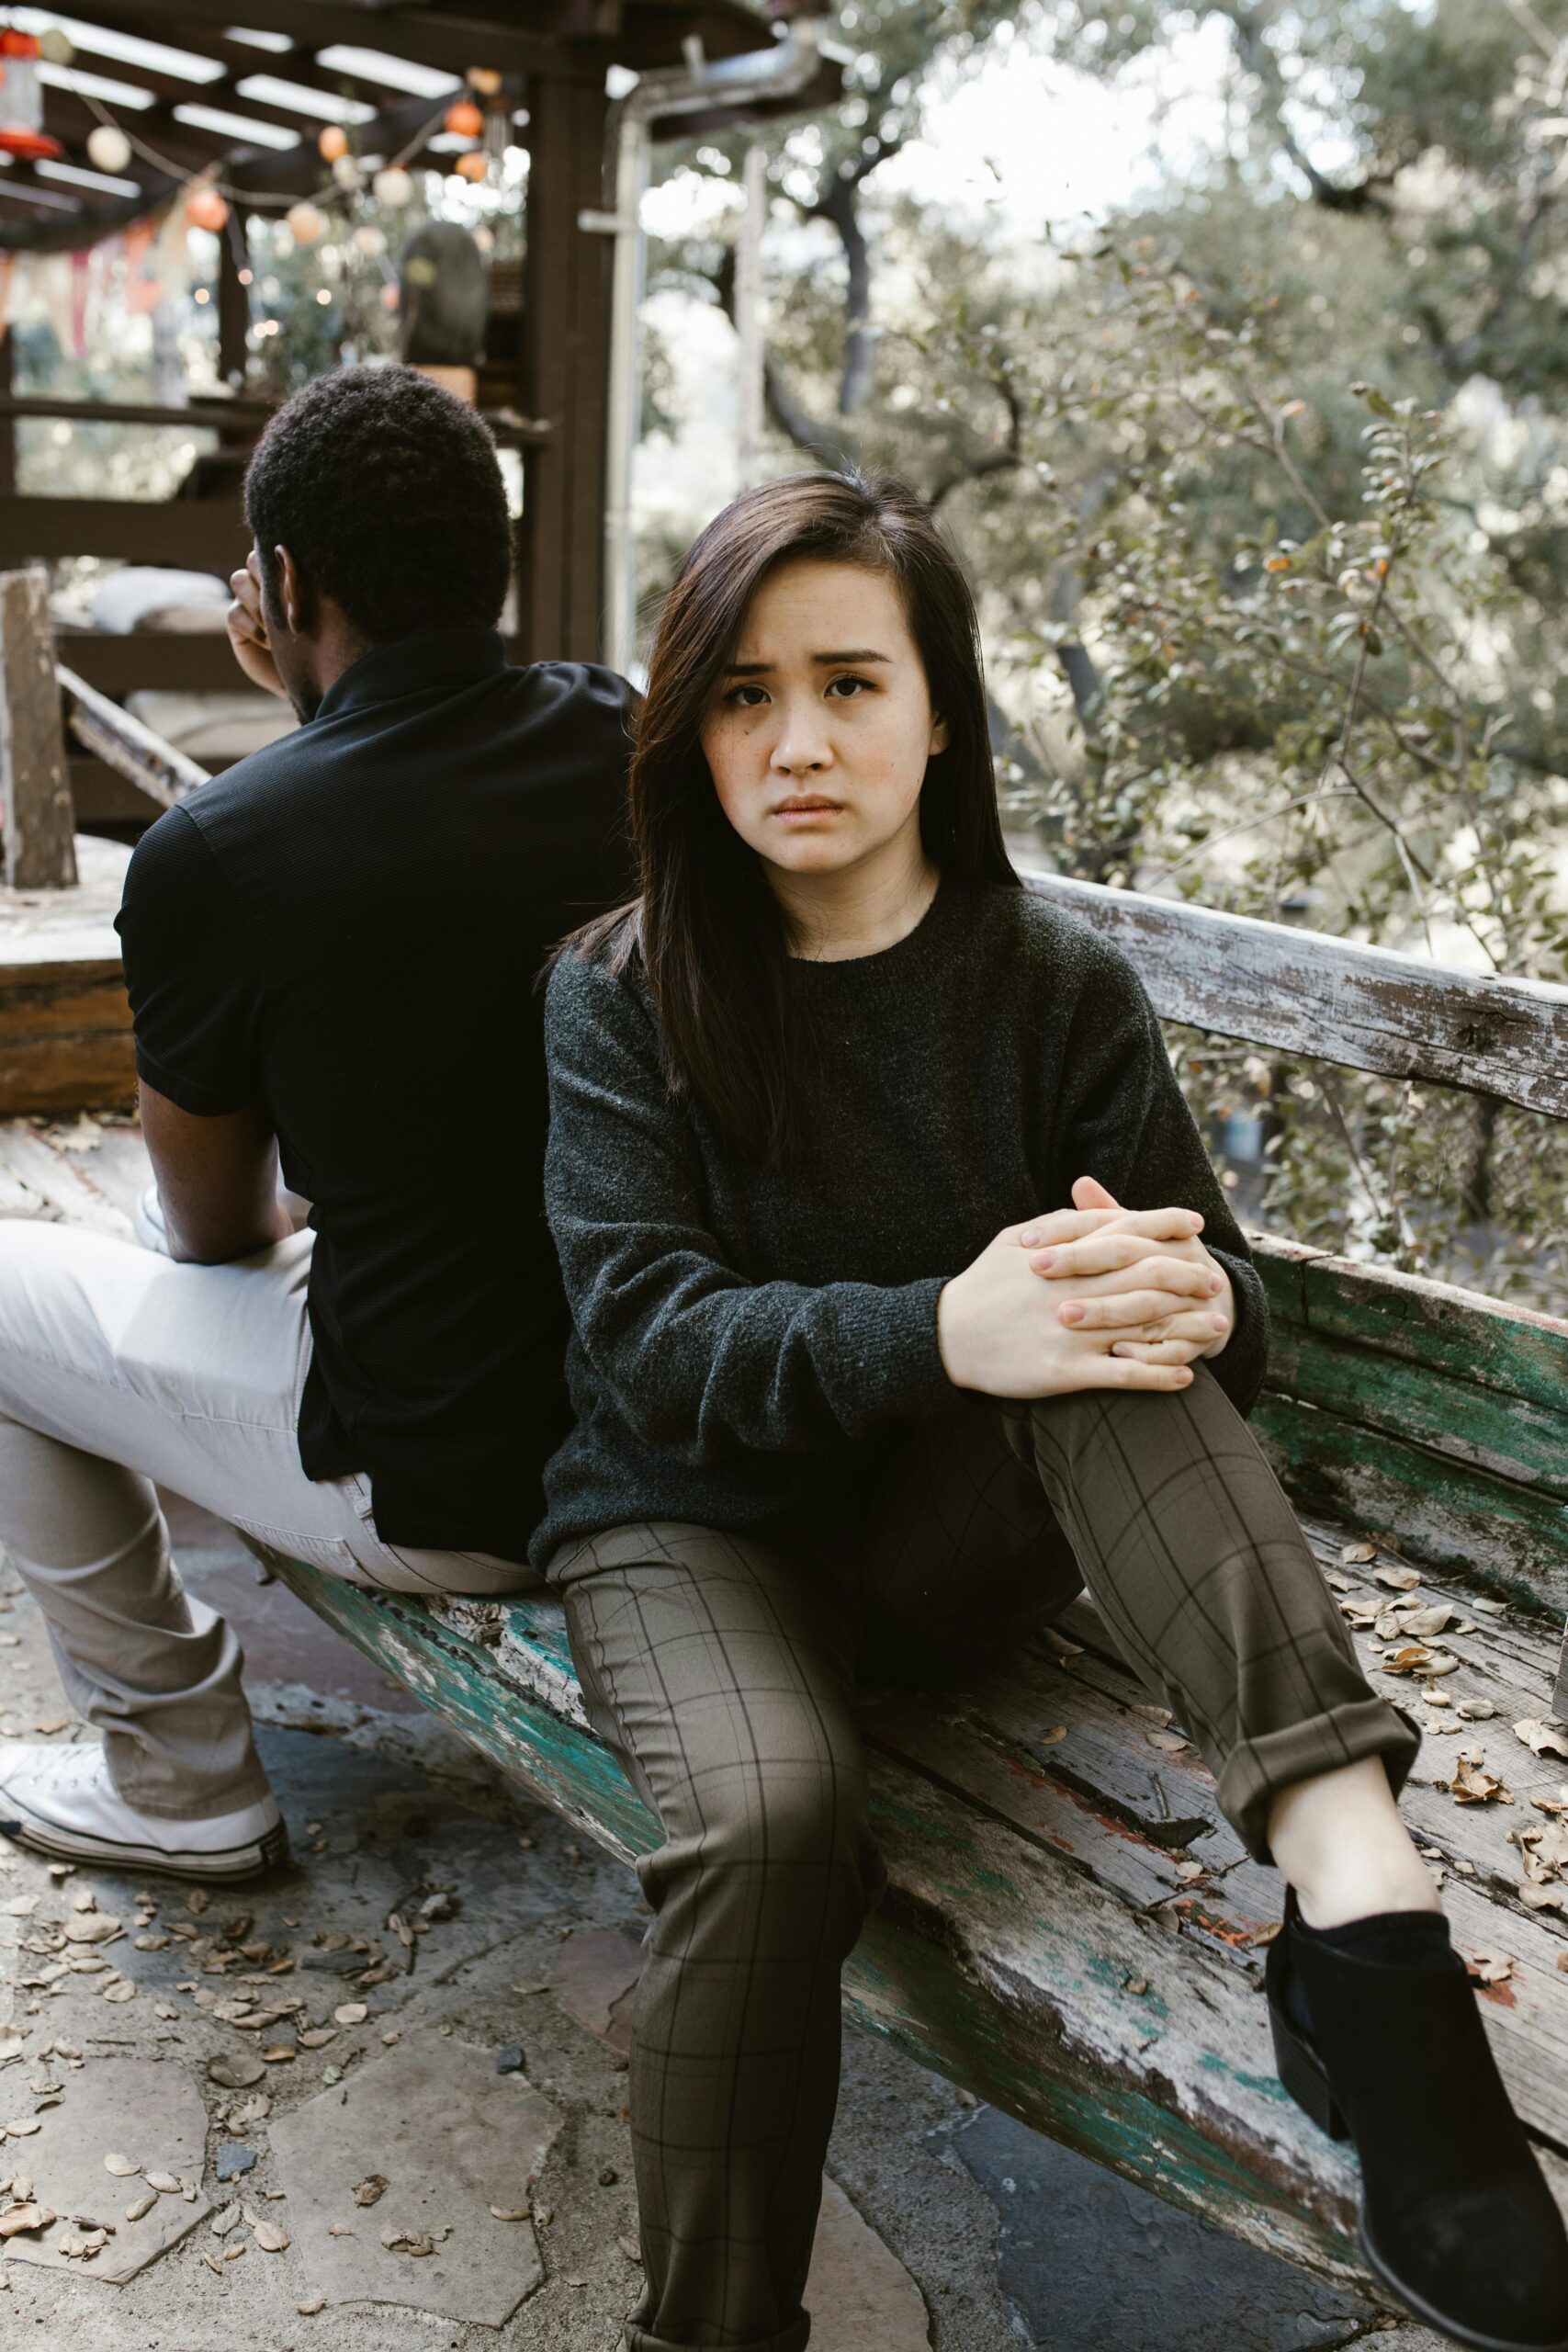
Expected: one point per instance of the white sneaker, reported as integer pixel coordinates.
(61, 1801)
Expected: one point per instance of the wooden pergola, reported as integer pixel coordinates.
(283, 66)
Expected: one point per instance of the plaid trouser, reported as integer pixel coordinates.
(720, 1666)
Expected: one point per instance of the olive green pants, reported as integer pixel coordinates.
(720, 1666)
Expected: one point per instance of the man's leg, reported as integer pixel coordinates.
(119, 1369)
(721, 1675)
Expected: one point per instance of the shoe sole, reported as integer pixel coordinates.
(245, 1860)
(1419, 2308)
(1304, 2074)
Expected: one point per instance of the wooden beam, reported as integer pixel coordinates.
(565, 356)
(206, 535)
(35, 789)
(1365, 1008)
(217, 415)
(123, 744)
(451, 40)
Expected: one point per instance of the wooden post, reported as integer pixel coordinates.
(566, 319)
(35, 808)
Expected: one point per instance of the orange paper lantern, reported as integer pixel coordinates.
(205, 209)
(471, 166)
(332, 143)
(464, 119)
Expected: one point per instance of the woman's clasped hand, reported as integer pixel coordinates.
(1095, 1297)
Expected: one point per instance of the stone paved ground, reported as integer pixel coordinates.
(950, 2225)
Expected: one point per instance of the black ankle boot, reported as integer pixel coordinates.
(1378, 2037)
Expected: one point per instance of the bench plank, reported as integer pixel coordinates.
(993, 1960)
(1330, 1000)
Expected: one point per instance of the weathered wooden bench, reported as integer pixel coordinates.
(1071, 1929)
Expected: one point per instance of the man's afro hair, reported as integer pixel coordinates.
(385, 491)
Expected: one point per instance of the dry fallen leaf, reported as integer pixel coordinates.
(351, 2013)
(1490, 1967)
(168, 2184)
(339, 2230)
(373, 2185)
(1476, 1711)
(509, 2212)
(630, 2248)
(315, 2037)
(1170, 1742)
(1397, 1579)
(1540, 1738)
(143, 2206)
(15, 2219)
(402, 2241)
(121, 1989)
(122, 2168)
(309, 2310)
(1412, 1658)
(1340, 1584)
(271, 2237)
(1428, 1618)
(1536, 1897)
(229, 2218)
(233, 2071)
(22, 2127)
(1049, 1739)
(1472, 1784)
(1358, 1555)
(1188, 1870)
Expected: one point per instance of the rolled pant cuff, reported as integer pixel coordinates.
(788, 2339)
(206, 1808)
(1255, 1773)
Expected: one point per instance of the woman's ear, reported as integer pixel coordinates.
(940, 737)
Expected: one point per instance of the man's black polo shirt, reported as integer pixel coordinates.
(346, 928)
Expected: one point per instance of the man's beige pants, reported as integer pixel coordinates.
(120, 1370)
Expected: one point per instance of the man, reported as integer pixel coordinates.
(330, 953)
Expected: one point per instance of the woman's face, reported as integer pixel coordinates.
(818, 743)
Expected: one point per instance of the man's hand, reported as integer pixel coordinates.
(998, 1330)
(247, 630)
(1159, 1293)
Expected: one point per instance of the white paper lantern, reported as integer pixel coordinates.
(369, 241)
(393, 186)
(305, 223)
(345, 172)
(109, 149)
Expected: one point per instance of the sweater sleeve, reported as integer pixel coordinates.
(700, 1360)
(1124, 1119)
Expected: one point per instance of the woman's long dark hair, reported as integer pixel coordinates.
(713, 937)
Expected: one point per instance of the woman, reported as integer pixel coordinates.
(856, 1388)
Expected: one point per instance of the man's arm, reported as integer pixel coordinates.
(217, 1180)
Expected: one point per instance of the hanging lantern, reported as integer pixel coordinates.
(394, 187)
(369, 241)
(472, 166)
(205, 209)
(345, 175)
(305, 223)
(109, 149)
(333, 142)
(464, 119)
(56, 46)
(21, 100)
(484, 80)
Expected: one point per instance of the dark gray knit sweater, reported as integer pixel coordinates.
(742, 1337)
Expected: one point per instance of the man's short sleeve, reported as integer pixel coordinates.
(189, 972)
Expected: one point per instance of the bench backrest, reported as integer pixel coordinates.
(1430, 1416)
